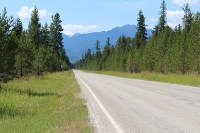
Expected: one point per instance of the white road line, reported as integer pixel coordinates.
(118, 129)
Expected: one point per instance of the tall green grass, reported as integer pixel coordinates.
(45, 104)
(189, 79)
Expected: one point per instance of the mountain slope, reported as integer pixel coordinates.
(79, 44)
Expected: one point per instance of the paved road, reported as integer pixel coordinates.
(119, 105)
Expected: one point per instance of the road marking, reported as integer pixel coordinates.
(161, 92)
(118, 129)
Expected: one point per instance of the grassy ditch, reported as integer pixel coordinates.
(45, 104)
(189, 79)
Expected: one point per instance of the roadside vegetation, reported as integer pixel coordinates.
(36, 50)
(49, 103)
(166, 51)
(189, 79)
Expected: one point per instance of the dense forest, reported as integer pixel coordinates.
(36, 50)
(166, 51)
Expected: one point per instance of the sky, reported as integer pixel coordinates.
(86, 16)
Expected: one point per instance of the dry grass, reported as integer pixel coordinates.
(189, 79)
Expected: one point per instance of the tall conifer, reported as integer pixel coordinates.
(34, 28)
(163, 17)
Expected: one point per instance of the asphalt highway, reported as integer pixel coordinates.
(120, 105)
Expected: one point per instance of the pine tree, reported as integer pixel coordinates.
(111, 58)
(24, 55)
(39, 63)
(34, 28)
(65, 58)
(106, 50)
(175, 51)
(168, 42)
(141, 34)
(129, 61)
(122, 44)
(8, 43)
(155, 30)
(56, 39)
(187, 24)
(98, 52)
(149, 55)
(122, 47)
(18, 28)
(193, 46)
(187, 18)
(55, 43)
(45, 35)
(163, 17)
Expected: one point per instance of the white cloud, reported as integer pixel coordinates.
(174, 18)
(125, 3)
(171, 15)
(154, 19)
(70, 29)
(172, 25)
(44, 13)
(25, 13)
(182, 2)
(175, 15)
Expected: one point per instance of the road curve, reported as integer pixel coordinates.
(120, 105)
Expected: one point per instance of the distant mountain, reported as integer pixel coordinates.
(76, 34)
(78, 44)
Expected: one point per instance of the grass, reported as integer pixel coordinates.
(43, 105)
(189, 79)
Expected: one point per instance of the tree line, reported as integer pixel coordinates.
(166, 51)
(36, 50)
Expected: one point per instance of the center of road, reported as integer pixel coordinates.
(161, 92)
(118, 129)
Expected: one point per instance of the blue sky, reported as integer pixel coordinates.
(85, 16)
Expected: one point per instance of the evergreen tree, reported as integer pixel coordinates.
(122, 47)
(149, 55)
(163, 17)
(39, 63)
(155, 30)
(122, 44)
(56, 39)
(175, 51)
(129, 61)
(8, 43)
(106, 50)
(64, 57)
(187, 18)
(193, 46)
(18, 28)
(98, 52)
(184, 45)
(55, 43)
(168, 42)
(111, 59)
(141, 34)
(24, 55)
(34, 28)
(45, 35)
